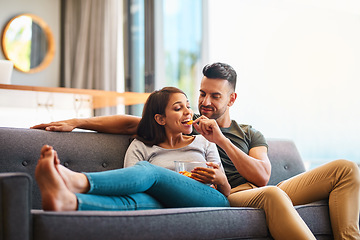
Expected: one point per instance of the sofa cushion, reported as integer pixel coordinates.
(91, 151)
(185, 223)
(15, 194)
(285, 160)
(79, 151)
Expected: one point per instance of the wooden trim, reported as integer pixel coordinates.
(101, 98)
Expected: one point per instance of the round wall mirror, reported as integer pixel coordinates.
(27, 41)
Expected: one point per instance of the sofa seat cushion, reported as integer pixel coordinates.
(176, 223)
(173, 223)
(320, 226)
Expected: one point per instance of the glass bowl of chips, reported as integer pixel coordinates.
(185, 167)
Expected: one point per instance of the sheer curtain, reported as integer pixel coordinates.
(90, 45)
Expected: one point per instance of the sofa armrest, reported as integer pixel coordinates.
(15, 204)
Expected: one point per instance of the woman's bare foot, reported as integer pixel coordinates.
(54, 193)
(76, 182)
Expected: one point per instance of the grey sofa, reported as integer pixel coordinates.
(21, 216)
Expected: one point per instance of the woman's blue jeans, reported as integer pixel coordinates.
(146, 186)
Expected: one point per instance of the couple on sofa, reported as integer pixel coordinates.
(163, 136)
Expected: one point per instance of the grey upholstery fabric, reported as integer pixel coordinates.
(90, 151)
(15, 194)
(311, 212)
(185, 223)
(285, 160)
(79, 151)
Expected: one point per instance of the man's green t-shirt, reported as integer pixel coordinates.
(243, 137)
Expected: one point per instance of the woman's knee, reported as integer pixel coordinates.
(156, 172)
(145, 166)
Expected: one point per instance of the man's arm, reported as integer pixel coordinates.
(122, 124)
(255, 167)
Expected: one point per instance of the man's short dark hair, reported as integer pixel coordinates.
(222, 71)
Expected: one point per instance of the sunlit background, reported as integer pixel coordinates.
(18, 43)
(298, 65)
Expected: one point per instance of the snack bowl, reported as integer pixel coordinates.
(185, 167)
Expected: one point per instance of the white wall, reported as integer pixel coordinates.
(298, 65)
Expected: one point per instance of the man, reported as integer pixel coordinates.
(243, 152)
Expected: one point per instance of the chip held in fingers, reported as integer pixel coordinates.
(190, 122)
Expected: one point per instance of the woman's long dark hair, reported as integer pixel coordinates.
(149, 131)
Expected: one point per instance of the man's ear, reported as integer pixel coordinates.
(233, 97)
(160, 119)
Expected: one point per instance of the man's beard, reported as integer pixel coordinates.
(214, 114)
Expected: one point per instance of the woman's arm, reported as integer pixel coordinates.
(214, 176)
(121, 124)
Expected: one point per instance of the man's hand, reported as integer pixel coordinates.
(254, 166)
(209, 129)
(59, 126)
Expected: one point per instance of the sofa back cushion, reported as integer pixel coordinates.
(79, 151)
(285, 160)
(94, 152)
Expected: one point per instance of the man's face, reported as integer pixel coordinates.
(214, 97)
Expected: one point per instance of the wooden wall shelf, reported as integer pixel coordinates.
(100, 98)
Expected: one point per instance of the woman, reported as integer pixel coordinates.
(147, 181)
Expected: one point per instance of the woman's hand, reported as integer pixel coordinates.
(59, 126)
(213, 175)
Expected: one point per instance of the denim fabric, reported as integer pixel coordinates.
(146, 186)
(137, 201)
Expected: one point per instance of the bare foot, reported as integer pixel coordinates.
(76, 182)
(54, 193)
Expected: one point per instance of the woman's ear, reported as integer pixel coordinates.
(233, 97)
(160, 119)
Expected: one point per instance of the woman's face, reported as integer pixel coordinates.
(177, 114)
